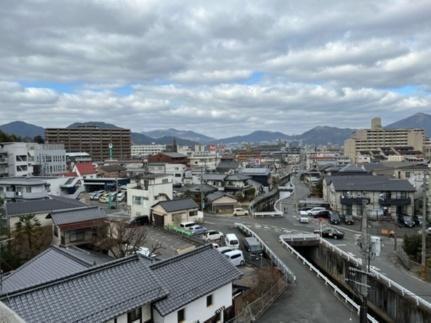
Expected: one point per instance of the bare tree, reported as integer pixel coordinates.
(120, 239)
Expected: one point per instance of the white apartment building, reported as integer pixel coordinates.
(151, 189)
(377, 137)
(14, 160)
(23, 188)
(146, 150)
(204, 160)
(47, 159)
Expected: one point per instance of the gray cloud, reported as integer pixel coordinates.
(189, 64)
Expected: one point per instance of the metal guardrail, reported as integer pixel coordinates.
(300, 237)
(287, 273)
(391, 284)
(327, 281)
(274, 213)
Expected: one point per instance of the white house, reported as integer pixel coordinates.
(149, 190)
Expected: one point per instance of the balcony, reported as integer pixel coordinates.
(387, 201)
(346, 200)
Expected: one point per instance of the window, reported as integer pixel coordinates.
(181, 315)
(78, 235)
(134, 315)
(209, 300)
(28, 189)
(137, 200)
(193, 213)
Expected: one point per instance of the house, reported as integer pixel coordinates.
(176, 171)
(215, 180)
(192, 287)
(24, 188)
(236, 182)
(361, 194)
(175, 212)
(227, 164)
(258, 174)
(77, 226)
(196, 191)
(220, 202)
(147, 191)
(40, 208)
(85, 170)
(169, 157)
(53, 263)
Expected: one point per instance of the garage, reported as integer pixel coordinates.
(220, 202)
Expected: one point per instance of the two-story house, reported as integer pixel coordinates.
(361, 194)
(175, 212)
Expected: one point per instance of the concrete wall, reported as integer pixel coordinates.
(387, 301)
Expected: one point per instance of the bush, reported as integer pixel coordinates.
(412, 245)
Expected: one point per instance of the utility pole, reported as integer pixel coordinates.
(365, 246)
(426, 203)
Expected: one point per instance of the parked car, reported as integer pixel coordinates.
(348, 219)
(231, 240)
(253, 247)
(417, 219)
(304, 210)
(322, 214)
(198, 229)
(405, 221)
(330, 232)
(304, 219)
(187, 225)
(223, 250)
(96, 195)
(121, 196)
(239, 211)
(144, 251)
(334, 218)
(213, 235)
(316, 210)
(236, 257)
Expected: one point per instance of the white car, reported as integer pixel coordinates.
(315, 210)
(236, 257)
(213, 235)
(223, 250)
(304, 219)
(144, 251)
(239, 211)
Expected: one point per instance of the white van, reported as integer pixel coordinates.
(187, 225)
(231, 240)
(235, 257)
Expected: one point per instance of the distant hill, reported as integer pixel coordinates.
(418, 120)
(98, 124)
(180, 134)
(322, 135)
(255, 137)
(22, 129)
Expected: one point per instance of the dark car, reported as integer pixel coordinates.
(334, 218)
(347, 219)
(406, 221)
(323, 214)
(417, 219)
(333, 233)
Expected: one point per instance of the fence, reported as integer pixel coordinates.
(252, 311)
(287, 273)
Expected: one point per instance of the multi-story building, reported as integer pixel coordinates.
(47, 159)
(93, 140)
(141, 151)
(203, 161)
(148, 190)
(376, 138)
(23, 188)
(176, 171)
(15, 160)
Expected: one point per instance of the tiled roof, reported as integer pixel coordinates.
(213, 177)
(192, 275)
(255, 171)
(96, 294)
(369, 183)
(85, 168)
(216, 195)
(77, 215)
(51, 264)
(41, 206)
(178, 205)
(238, 177)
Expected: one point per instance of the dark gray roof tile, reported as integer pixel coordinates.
(77, 215)
(41, 206)
(178, 205)
(369, 183)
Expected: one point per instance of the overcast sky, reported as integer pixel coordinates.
(218, 67)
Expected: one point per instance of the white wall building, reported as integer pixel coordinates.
(23, 188)
(204, 160)
(176, 171)
(151, 189)
(47, 159)
(146, 150)
(14, 160)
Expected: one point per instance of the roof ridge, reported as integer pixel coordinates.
(193, 252)
(72, 256)
(76, 209)
(84, 272)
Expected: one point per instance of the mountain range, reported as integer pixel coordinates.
(315, 136)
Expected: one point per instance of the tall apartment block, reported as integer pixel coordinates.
(377, 137)
(93, 140)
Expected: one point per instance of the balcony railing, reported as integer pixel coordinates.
(348, 200)
(387, 201)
